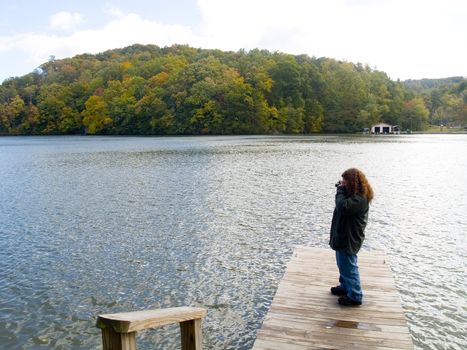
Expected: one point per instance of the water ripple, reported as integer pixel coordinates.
(93, 225)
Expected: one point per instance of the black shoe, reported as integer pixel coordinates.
(346, 301)
(338, 291)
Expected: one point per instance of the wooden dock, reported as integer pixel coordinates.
(305, 315)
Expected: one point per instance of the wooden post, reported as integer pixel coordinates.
(119, 330)
(191, 335)
(118, 341)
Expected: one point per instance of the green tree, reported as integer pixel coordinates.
(314, 116)
(32, 118)
(96, 117)
(286, 86)
(54, 103)
(415, 114)
(120, 105)
(294, 119)
(395, 104)
(346, 95)
(152, 114)
(435, 102)
(14, 114)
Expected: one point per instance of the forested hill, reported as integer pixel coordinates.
(148, 90)
(421, 85)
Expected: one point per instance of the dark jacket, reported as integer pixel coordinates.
(348, 222)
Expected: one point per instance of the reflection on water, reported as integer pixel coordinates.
(94, 225)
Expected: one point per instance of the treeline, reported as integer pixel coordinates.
(445, 99)
(147, 90)
(422, 85)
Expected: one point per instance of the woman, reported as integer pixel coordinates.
(349, 220)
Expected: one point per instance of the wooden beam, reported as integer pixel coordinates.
(119, 330)
(191, 335)
(118, 341)
(126, 322)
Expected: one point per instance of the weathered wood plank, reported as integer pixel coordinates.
(338, 340)
(279, 342)
(119, 330)
(118, 341)
(304, 314)
(191, 335)
(126, 322)
(327, 323)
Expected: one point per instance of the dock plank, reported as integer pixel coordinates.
(305, 315)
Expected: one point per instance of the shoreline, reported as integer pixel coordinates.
(426, 132)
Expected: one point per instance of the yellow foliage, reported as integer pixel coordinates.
(160, 78)
(126, 65)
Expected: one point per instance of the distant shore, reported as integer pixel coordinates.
(429, 131)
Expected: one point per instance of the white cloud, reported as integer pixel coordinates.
(65, 20)
(406, 39)
(115, 12)
(122, 31)
(417, 38)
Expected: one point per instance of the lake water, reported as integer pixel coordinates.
(94, 225)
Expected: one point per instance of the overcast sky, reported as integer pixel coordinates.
(407, 39)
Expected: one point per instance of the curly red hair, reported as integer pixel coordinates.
(357, 183)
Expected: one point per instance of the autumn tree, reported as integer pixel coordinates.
(13, 114)
(414, 114)
(96, 116)
(146, 90)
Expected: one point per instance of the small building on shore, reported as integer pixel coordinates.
(382, 128)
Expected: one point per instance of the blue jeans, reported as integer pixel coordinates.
(349, 277)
